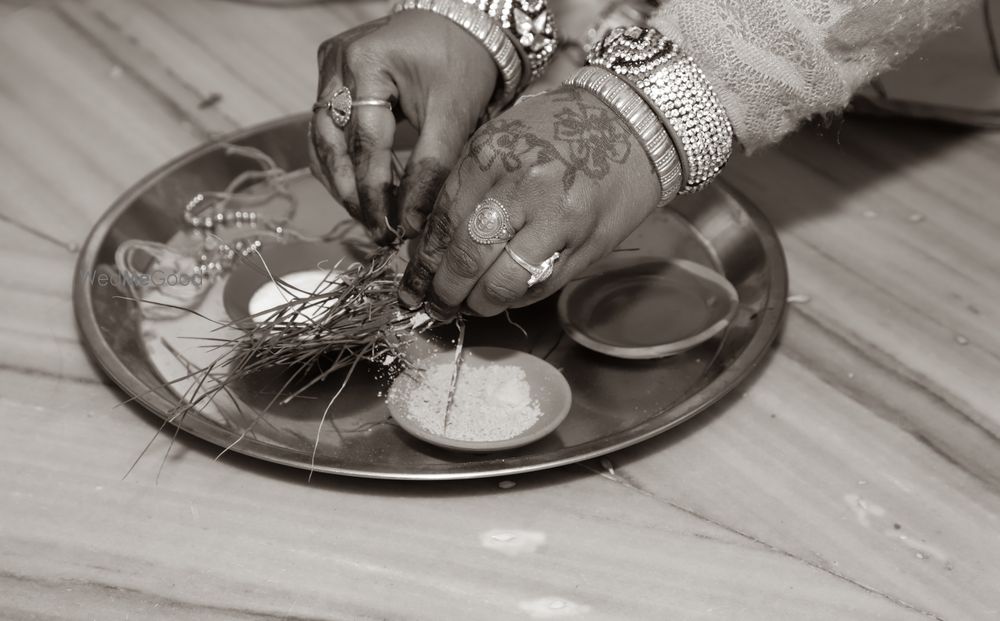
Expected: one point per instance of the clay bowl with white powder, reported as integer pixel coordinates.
(504, 399)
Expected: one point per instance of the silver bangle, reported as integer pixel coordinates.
(490, 33)
(677, 90)
(620, 96)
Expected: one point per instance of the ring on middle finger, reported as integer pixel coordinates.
(490, 223)
(537, 273)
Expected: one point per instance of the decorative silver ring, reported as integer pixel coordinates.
(490, 223)
(539, 273)
(375, 103)
(338, 106)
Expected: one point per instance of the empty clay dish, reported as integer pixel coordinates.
(301, 265)
(642, 308)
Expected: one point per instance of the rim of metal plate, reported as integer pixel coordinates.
(157, 402)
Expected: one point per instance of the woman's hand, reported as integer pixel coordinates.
(436, 75)
(574, 179)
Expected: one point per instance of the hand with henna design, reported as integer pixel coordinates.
(443, 88)
(574, 179)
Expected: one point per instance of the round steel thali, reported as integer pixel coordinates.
(616, 403)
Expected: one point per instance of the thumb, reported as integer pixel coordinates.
(435, 154)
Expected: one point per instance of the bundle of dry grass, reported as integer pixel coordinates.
(349, 318)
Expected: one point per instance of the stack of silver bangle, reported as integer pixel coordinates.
(677, 91)
(519, 35)
(621, 97)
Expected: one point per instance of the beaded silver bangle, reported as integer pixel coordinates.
(620, 96)
(529, 23)
(490, 33)
(677, 90)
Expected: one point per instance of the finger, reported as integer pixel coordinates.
(466, 260)
(505, 283)
(328, 141)
(315, 167)
(458, 198)
(335, 166)
(371, 137)
(438, 148)
(371, 133)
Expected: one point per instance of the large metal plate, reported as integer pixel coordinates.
(616, 403)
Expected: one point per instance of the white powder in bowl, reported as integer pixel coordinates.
(491, 402)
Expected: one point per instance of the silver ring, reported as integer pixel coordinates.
(379, 103)
(539, 273)
(338, 106)
(490, 223)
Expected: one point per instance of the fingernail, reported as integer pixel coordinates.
(352, 208)
(409, 299)
(439, 313)
(382, 236)
(465, 310)
(413, 225)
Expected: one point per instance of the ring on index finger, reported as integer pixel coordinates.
(490, 223)
(338, 106)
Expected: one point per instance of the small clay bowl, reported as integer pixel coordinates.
(642, 308)
(248, 276)
(547, 386)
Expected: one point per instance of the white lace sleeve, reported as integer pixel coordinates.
(777, 62)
